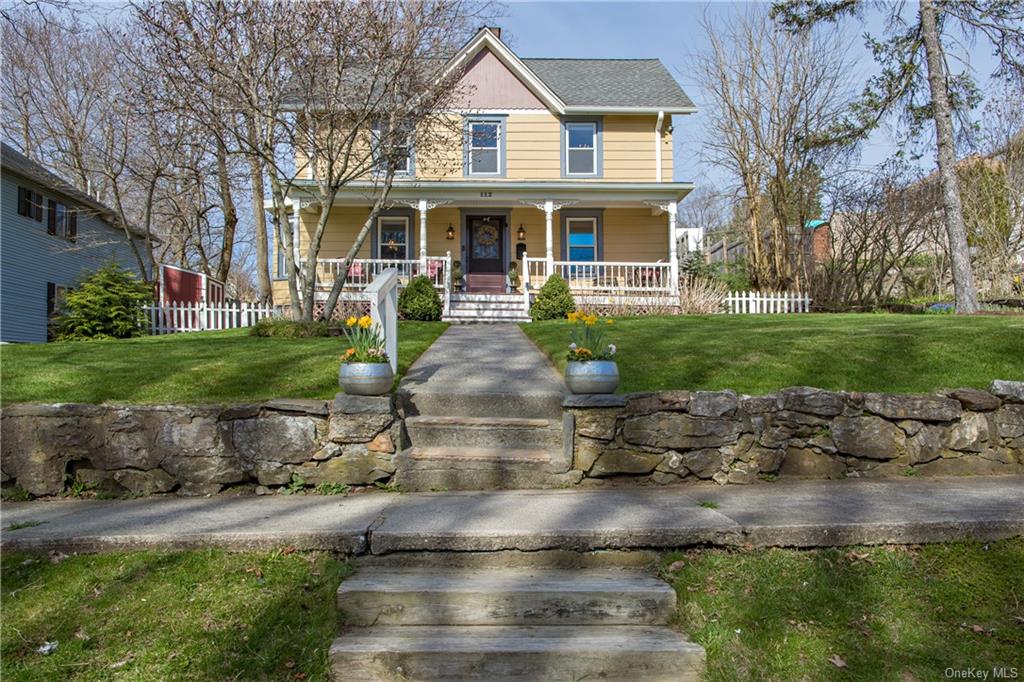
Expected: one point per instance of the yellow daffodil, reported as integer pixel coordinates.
(351, 321)
(365, 321)
(609, 321)
(572, 317)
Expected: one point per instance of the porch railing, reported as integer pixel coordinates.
(610, 277)
(364, 270)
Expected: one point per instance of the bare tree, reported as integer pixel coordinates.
(770, 96)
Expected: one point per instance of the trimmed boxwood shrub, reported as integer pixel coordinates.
(554, 300)
(419, 301)
(108, 304)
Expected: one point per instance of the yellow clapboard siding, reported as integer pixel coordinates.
(635, 235)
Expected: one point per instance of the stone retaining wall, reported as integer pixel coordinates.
(197, 449)
(670, 436)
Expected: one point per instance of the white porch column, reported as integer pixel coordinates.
(423, 235)
(673, 251)
(296, 207)
(549, 241)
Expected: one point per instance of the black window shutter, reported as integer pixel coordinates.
(24, 201)
(37, 206)
(51, 217)
(72, 225)
(51, 299)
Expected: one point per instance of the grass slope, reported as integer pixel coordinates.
(205, 615)
(761, 353)
(197, 367)
(886, 613)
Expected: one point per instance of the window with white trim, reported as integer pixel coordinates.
(393, 237)
(582, 238)
(402, 152)
(581, 148)
(485, 147)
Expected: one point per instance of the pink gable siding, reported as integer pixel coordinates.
(489, 84)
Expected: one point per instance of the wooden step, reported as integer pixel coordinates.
(495, 653)
(512, 596)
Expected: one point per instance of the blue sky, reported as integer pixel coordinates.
(671, 32)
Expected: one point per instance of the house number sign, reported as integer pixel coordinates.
(486, 195)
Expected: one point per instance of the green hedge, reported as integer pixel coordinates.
(554, 300)
(420, 301)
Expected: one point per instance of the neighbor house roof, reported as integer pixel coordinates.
(14, 161)
(611, 83)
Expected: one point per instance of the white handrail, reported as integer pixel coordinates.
(383, 295)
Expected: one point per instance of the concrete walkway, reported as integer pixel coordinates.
(802, 514)
(483, 359)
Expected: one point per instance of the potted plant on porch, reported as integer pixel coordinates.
(365, 369)
(591, 364)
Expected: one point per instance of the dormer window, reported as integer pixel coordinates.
(581, 148)
(485, 146)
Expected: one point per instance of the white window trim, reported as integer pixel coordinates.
(593, 148)
(380, 240)
(569, 221)
(497, 148)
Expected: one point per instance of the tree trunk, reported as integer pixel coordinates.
(963, 276)
(230, 214)
(260, 219)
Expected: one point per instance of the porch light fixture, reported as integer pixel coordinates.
(521, 233)
(451, 232)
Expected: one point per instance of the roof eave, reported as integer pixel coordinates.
(596, 109)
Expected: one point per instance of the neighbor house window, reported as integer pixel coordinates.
(581, 148)
(485, 147)
(30, 204)
(61, 221)
(582, 236)
(54, 299)
(393, 238)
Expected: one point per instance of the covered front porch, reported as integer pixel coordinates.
(610, 241)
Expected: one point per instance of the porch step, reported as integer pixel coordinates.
(429, 468)
(496, 653)
(487, 298)
(485, 432)
(507, 596)
(546, 405)
(458, 315)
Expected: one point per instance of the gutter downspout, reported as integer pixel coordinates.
(657, 146)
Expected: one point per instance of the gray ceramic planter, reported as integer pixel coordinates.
(366, 378)
(593, 376)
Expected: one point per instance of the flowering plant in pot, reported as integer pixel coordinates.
(365, 369)
(591, 364)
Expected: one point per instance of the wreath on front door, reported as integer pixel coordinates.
(487, 235)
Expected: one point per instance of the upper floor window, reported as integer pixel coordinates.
(402, 149)
(485, 140)
(581, 148)
(30, 204)
(61, 221)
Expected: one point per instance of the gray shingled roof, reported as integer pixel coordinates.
(611, 82)
(14, 161)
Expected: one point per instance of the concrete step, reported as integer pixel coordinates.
(485, 432)
(515, 306)
(488, 313)
(487, 298)
(546, 405)
(465, 468)
(512, 596)
(611, 653)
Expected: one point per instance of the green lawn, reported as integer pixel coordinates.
(886, 613)
(205, 615)
(198, 367)
(761, 353)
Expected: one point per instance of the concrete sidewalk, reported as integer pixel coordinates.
(802, 514)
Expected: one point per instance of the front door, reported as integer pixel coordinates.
(486, 244)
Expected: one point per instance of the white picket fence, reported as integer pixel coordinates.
(170, 318)
(755, 302)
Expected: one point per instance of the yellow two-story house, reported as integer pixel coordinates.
(566, 167)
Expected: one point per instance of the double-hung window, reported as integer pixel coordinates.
(393, 238)
(399, 145)
(581, 148)
(61, 221)
(485, 147)
(30, 204)
(582, 237)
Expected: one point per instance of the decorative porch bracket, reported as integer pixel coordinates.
(423, 205)
(549, 206)
(670, 207)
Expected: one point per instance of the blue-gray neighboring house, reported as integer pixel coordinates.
(51, 235)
